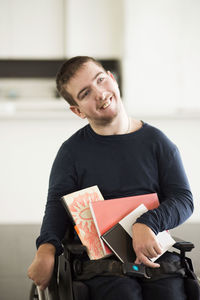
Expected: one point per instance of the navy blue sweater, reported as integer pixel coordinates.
(142, 162)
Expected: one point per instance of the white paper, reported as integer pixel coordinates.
(166, 242)
(164, 238)
(131, 218)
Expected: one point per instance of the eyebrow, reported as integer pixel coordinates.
(82, 90)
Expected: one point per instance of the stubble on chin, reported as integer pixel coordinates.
(105, 120)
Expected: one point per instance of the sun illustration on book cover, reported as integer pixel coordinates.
(81, 211)
(79, 208)
(82, 215)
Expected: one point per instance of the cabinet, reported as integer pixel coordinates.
(94, 28)
(51, 29)
(31, 29)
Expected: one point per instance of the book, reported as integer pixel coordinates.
(77, 206)
(119, 237)
(108, 213)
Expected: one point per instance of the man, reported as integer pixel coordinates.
(123, 157)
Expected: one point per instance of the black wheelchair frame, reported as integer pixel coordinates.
(63, 287)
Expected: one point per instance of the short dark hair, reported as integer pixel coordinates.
(67, 71)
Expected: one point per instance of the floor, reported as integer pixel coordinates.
(17, 250)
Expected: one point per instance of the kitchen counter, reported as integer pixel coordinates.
(53, 108)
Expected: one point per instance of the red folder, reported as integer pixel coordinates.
(108, 213)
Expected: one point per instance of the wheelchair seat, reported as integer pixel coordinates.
(63, 286)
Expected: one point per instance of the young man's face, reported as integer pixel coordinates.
(96, 93)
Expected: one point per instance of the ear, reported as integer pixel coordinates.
(76, 110)
(111, 75)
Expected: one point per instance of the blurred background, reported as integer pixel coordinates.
(152, 47)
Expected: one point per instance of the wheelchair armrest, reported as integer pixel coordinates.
(60, 286)
(53, 285)
(72, 245)
(182, 245)
(76, 248)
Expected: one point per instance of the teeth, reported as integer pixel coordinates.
(106, 104)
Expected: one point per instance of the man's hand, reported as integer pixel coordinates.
(41, 269)
(145, 245)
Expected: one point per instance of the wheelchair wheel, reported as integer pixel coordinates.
(36, 294)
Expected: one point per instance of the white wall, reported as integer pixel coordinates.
(161, 61)
(28, 147)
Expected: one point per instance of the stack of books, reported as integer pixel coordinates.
(105, 226)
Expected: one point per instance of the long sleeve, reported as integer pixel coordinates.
(176, 201)
(62, 181)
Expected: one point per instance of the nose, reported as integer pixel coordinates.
(100, 94)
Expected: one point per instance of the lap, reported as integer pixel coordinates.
(114, 288)
(164, 289)
(118, 288)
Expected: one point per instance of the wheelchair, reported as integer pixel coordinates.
(63, 286)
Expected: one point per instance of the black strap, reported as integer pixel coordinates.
(166, 269)
(83, 270)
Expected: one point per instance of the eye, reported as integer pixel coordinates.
(100, 79)
(85, 94)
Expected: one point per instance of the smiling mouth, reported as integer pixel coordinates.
(106, 104)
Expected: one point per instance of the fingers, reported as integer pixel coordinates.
(153, 252)
(145, 254)
(137, 261)
(158, 249)
(41, 269)
(40, 282)
(148, 251)
(145, 244)
(143, 259)
(42, 287)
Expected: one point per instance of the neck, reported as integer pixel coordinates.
(121, 124)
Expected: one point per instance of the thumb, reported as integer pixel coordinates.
(41, 288)
(137, 261)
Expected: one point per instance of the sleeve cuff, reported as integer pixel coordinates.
(51, 240)
(149, 224)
